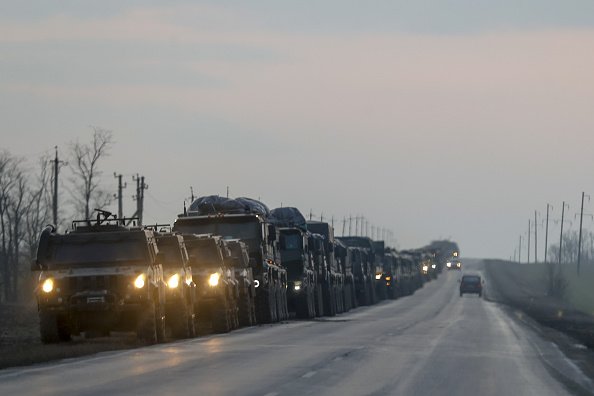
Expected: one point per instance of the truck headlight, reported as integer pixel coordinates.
(378, 276)
(173, 281)
(433, 266)
(48, 285)
(448, 264)
(425, 268)
(297, 286)
(213, 280)
(139, 281)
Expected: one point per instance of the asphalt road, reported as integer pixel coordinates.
(433, 342)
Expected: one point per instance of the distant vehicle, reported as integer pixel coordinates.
(471, 284)
(454, 265)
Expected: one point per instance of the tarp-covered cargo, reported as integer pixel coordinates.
(213, 204)
(288, 217)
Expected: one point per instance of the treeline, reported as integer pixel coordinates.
(556, 281)
(26, 203)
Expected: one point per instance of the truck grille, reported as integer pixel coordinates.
(101, 282)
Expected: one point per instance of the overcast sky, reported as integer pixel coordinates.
(432, 118)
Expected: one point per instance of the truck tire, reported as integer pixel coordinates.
(264, 307)
(220, 318)
(146, 329)
(53, 327)
(329, 301)
(319, 300)
(180, 320)
(245, 310)
(160, 322)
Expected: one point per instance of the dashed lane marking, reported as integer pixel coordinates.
(309, 374)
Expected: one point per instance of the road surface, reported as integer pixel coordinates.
(431, 343)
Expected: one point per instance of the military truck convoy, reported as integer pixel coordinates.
(225, 263)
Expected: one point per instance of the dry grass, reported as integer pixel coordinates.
(20, 344)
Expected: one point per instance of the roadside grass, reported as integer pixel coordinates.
(580, 290)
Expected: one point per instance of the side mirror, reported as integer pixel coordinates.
(35, 266)
(271, 233)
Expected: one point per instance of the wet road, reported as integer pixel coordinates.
(433, 342)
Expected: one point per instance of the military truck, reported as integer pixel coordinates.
(247, 220)
(364, 268)
(101, 277)
(335, 284)
(344, 259)
(381, 287)
(239, 261)
(325, 302)
(181, 289)
(217, 290)
(392, 274)
(298, 260)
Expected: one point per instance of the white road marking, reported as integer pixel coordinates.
(271, 394)
(309, 374)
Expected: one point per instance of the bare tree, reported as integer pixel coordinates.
(13, 206)
(84, 164)
(39, 205)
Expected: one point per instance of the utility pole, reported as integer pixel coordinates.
(579, 257)
(528, 245)
(192, 193)
(535, 241)
(356, 225)
(561, 235)
(547, 234)
(520, 251)
(227, 191)
(56, 171)
(350, 223)
(119, 196)
(343, 225)
(139, 197)
(310, 214)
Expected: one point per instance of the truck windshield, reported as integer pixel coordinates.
(98, 252)
(291, 241)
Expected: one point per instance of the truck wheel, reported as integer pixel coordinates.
(160, 323)
(245, 310)
(180, 321)
(319, 301)
(329, 301)
(146, 329)
(52, 328)
(220, 318)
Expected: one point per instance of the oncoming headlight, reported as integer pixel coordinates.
(173, 281)
(433, 266)
(256, 283)
(378, 276)
(297, 286)
(48, 285)
(448, 264)
(139, 281)
(213, 280)
(425, 268)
